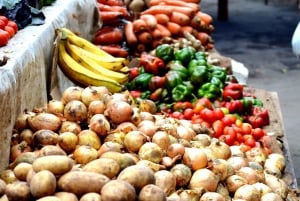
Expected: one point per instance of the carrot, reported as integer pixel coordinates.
(145, 37)
(163, 30)
(204, 17)
(180, 3)
(156, 33)
(105, 29)
(139, 25)
(104, 7)
(180, 18)
(185, 10)
(174, 28)
(192, 1)
(111, 2)
(203, 37)
(116, 51)
(110, 16)
(162, 18)
(129, 34)
(113, 37)
(150, 20)
(159, 9)
(187, 28)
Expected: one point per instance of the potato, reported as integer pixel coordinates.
(57, 164)
(107, 166)
(51, 150)
(152, 192)
(118, 190)
(66, 196)
(80, 182)
(49, 198)
(2, 187)
(4, 198)
(30, 174)
(43, 184)
(91, 197)
(123, 160)
(18, 191)
(21, 170)
(138, 176)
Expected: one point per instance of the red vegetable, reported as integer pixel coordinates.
(233, 91)
(152, 64)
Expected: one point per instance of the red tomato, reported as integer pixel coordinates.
(229, 119)
(250, 142)
(228, 139)
(218, 127)
(205, 102)
(10, 31)
(4, 37)
(258, 133)
(177, 115)
(208, 115)
(13, 25)
(239, 138)
(2, 24)
(188, 113)
(134, 72)
(197, 108)
(4, 19)
(228, 130)
(219, 114)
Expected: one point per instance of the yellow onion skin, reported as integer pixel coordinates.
(182, 174)
(151, 151)
(204, 178)
(84, 154)
(71, 93)
(44, 120)
(75, 111)
(166, 181)
(100, 125)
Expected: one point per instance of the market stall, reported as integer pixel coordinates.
(164, 118)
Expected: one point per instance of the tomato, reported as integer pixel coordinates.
(258, 133)
(4, 19)
(188, 113)
(229, 119)
(250, 142)
(181, 106)
(4, 37)
(228, 139)
(246, 128)
(13, 25)
(208, 115)
(228, 130)
(10, 31)
(2, 24)
(218, 127)
(134, 72)
(219, 114)
(205, 102)
(177, 115)
(197, 108)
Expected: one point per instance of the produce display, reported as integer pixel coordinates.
(8, 29)
(148, 119)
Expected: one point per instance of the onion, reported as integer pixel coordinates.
(69, 126)
(68, 141)
(18, 149)
(110, 146)
(249, 174)
(257, 154)
(182, 174)
(147, 127)
(221, 168)
(44, 137)
(71, 93)
(204, 139)
(169, 162)
(233, 182)
(204, 178)
(8, 176)
(21, 121)
(166, 181)
(119, 111)
(134, 140)
(238, 162)
(275, 164)
(185, 133)
(115, 137)
(96, 107)
(27, 157)
(237, 151)
(84, 154)
(271, 197)
(150, 151)
(99, 124)
(147, 116)
(90, 94)
(44, 121)
(220, 149)
(262, 188)
(247, 192)
(136, 116)
(75, 111)
(192, 195)
(277, 185)
(116, 97)
(90, 138)
(194, 158)
(222, 189)
(27, 136)
(125, 127)
(147, 105)
(153, 166)
(55, 107)
(175, 149)
(212, 196)
(161, 138)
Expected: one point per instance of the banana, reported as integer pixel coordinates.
(112, 64)
(83, 43)
(91, 65)
(80, 74)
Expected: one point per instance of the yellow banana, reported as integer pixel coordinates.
(112, 64)
(77, 73)
(93, 66)
(83, 43)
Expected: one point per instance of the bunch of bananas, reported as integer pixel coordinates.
(85, 63)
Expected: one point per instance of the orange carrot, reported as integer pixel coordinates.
(180, 3)
(104, 7)
(174, 28)
(129, 34)
(110, 16)
(163, 30)
(203, 37)
(116, 51)
(204, 17)
(113, 37)
(112, 2)
(192, 1)
(105, 29)
(156, 34)
(150, 20)
(162, 18)
(186, 29)
(180, 18)
(159, 9)
(139, 25)
(185, 10)
(145, 37)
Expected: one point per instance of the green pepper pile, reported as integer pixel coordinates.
(170, 76)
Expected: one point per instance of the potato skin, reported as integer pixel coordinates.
(118, 190)
(43, 184)
(107, 166)
(57, 164)
(49, 198)
(21, 170)
(18, 191)
(2, 187)
(66, 196)
(91, 197)
(80, 182)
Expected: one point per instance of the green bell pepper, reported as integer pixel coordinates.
(142, 81)
(219, 72)
(217, 81)
(200, 55)
(209, 90)
(176, 65)
(165, 52)
(181, 92)
(146, 94)
(194, 62)
(199, 75)
(184, 55)
(173, 79)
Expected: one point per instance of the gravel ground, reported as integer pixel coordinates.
(259, 36)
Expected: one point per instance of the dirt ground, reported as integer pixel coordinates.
(259, 36)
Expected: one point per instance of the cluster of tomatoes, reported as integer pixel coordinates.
(8, 29)
(232, 128)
